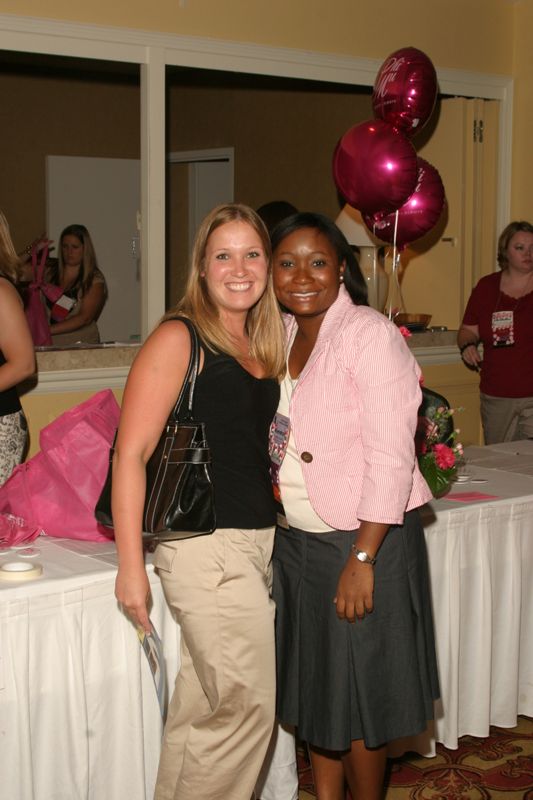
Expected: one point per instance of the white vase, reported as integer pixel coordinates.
(394, 303)
(377, 280)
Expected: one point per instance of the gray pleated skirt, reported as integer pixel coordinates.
(375, 679)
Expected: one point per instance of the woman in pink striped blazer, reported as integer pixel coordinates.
(356, 657)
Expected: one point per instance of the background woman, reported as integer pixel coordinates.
(17, 358)
(84, 288)
(499, 314)
(222, 712)
(356, 661)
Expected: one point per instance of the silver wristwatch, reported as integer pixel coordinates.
(360, 555)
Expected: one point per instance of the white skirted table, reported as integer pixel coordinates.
(79, 718)
(480, 552)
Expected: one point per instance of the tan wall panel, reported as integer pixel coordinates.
(460, 386)
(521, 196)
(57, 116)
(284, 137)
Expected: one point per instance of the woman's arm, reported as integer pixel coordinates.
(467, 341)
(15, 338)
(151, 392)
(385, 377)
(90, 307)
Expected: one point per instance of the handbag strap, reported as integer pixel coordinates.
(189, 382)
(38, 268)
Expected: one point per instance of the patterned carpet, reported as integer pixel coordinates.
(499, 767)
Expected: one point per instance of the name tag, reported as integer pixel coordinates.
(278, 440)
(502, 329)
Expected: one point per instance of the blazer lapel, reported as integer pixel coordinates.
(330, 326)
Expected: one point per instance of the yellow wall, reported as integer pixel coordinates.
(492, 36)
(466, 34)
(522, 175)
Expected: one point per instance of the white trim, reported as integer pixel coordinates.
(153, 179)
(155, 50)
(78, 380)
(436, 355)
(212, 154)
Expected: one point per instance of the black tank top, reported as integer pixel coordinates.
(9, 399)
(237, 410)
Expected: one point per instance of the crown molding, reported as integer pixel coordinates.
(57, 37)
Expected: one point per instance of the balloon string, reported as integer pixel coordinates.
(394, 251)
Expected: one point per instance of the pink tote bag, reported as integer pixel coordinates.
(58, 488)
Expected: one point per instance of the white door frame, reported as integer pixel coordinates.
(194, 157)
(153, 51)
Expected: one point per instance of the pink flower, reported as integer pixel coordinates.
(406, 333)
(444, 456)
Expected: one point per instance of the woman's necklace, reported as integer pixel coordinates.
(523, 293)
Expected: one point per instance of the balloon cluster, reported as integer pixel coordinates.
(375, 166)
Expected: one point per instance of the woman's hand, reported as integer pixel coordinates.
(39, 243)
(355, 590)
(132, 590)
(467, 342)
(470, 355)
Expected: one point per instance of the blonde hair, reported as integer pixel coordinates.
(9, 260)
(89, 264)
(263, 323)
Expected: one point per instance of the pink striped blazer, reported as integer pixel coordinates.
(353, 415)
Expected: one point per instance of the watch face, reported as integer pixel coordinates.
(364, 557)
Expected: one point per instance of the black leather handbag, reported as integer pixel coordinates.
(179, 502)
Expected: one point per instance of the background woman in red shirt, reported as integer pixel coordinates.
(499, 315)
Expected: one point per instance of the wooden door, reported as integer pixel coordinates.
(439, 270)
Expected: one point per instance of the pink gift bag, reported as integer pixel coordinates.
(58, 488)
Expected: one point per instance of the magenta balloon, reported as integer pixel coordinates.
(418, 215)
(374, 167)
(405, 90)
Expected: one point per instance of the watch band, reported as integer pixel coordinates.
(360, 555)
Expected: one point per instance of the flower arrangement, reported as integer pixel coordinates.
(438, 449)
(436, 444)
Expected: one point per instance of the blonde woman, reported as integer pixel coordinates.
(222, 713)
(17, 358)
(84, 289)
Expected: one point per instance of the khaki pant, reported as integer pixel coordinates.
(222, 711)
(506, 419)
